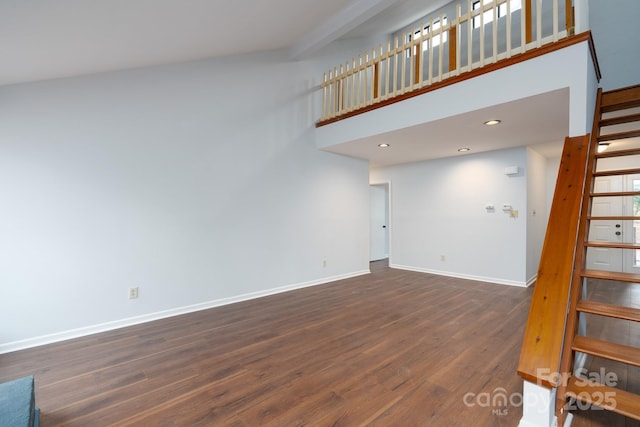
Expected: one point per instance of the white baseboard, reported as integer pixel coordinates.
(122, 323)
(568, 419)
(462, 276)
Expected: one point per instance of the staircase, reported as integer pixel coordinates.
(607, 258)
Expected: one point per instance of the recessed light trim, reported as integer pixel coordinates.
(464, 149)
(492, 122)
(384, 145)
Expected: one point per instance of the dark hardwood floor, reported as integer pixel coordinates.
(393, 348)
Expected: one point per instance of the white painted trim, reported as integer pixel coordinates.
(538, 406)
(116, 324)
(460, 276)
(531, 281)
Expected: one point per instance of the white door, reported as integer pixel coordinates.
(631, 229)
(608, 259)
(379, 217)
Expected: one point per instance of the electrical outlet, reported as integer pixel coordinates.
(133, 293)
(442, 258)
(324, 263)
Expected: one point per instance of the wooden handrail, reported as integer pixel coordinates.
(543, 338)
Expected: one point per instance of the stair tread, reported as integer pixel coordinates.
(612, 275)
(607, 350)
(609, 310)
(618, 153)
(615, 245)
(605, 397)
(620, 120)
(620, 99)
(620, 135)
(614, 218)
(617, 172)
(616, 193)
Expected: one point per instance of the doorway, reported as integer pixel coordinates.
(379, 221)
(615, 259)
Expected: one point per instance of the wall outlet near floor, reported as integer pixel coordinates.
(442, 257)
(133, 293)
(324, 263)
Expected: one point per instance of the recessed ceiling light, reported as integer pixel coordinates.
(464, 149)
(492, 122)
(383, 145)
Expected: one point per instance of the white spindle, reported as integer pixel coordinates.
(508, 29)
(330, 95)
(373, 75)
(354, 83)
(417, 79)
(388, 62)
(440, 48)
(481, 35)
(340, 89)
(324, 96)
(495, 31)
(413, 51)
(404, 63)
(469, 36)
(347, 87)
(523, 27)
(538, 23)
(359, 81)
(395, 66)
(555, 20)
(430, 47)
(336, 84)
(458, 38)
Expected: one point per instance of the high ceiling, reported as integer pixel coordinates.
(45, 39)
(48, 39)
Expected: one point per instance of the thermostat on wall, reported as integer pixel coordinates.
(511, 170)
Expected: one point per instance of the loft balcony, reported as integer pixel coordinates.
(443, 50)
(528, 61)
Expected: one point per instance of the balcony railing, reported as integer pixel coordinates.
(441, 48)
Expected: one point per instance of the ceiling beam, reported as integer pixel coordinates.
(338, 25)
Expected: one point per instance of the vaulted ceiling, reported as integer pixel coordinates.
(44, 39)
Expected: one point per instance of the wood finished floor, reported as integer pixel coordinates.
(393, 348)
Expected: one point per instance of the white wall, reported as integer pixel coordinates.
(614, 27)
(200, 183)
(553, 167)
(536, 212)
(438, 208)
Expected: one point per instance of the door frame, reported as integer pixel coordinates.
(386, 184)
